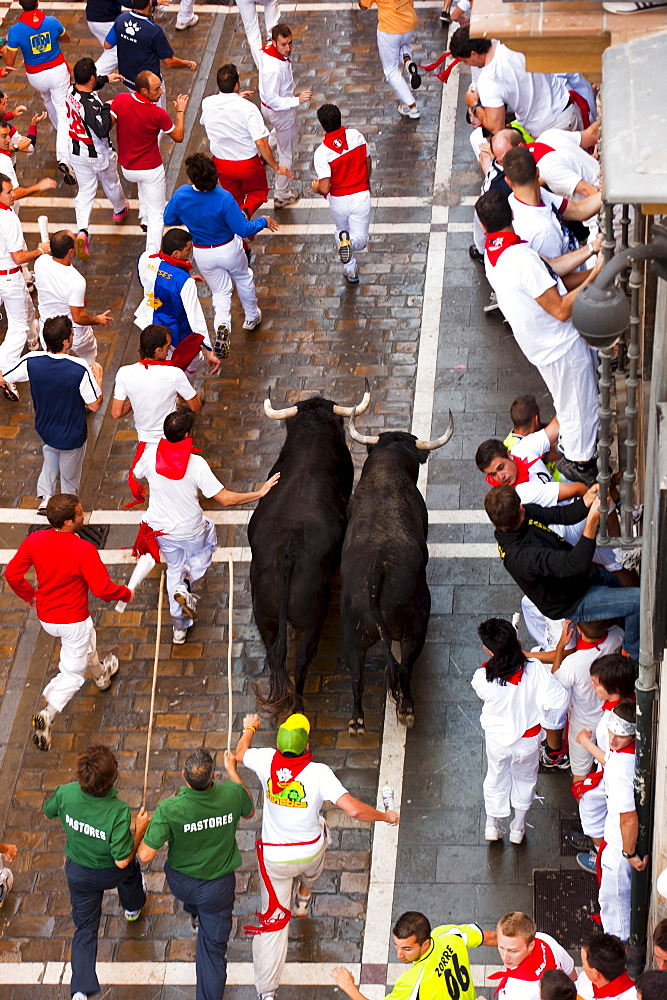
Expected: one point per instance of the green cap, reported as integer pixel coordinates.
(293, 735)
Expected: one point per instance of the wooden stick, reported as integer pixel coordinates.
(229, 652)
(155, 663)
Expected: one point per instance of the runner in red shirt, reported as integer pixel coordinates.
(343, 167)
(67, 568)
(139, 122)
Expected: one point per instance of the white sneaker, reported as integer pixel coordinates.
(6, 882)
(190, 24)
(289, 199)
(42, 507)
(493, 833)
(11, 392)
(80, 996)
(187, 601)
(41, 725)
(352, 275)
(492, 304)
(408, 112)
(634, 7)
(516, 836)
(110, 667)
(180, 636)
(252, 324)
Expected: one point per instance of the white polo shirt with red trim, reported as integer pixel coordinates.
(523, 982)
(621, 988)
(233, 125)
(342, 157)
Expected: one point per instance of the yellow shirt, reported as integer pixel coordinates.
(443, 973)
(396, 17)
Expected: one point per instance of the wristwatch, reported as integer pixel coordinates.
(627, 855)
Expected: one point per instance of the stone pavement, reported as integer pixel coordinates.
(318, 335)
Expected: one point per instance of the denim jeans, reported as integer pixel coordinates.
(610, 599)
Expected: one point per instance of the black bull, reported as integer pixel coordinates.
(384, 593)
(296, 534)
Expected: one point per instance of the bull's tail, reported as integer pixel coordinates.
(281, 689)
(392, 666)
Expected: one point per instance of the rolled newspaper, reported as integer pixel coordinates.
(43, 223)
(387, 797)
(144, 565)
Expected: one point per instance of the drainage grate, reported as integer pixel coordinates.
(97, 535)
(563, 902)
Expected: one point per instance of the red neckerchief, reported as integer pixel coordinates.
(607, 706)
(631, 748)
(171, 458)
(6, 207)
(497, 243)
(595, 644)
(539, 149)
(153, 361)
(6, 152)
(140, 97)
(185, 264)
(336, 140)
(532, 967)
(445, 73)
(271, 50)
(515, 678)
(614, 988)
(523, 475)
(285, 770)
(33, 18)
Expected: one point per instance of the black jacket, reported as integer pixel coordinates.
(552, 573)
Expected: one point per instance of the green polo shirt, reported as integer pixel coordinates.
(98, 829)
(200, 828)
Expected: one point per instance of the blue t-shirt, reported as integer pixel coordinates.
(103, 10)
(38, 43)
(141, 45)
(61, 386)
(212, 217)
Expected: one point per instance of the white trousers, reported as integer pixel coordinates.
(250, 18)
(90, 173)
(269, 951)
(614, 892)
(152, 193)
(78, 653)
(569, 119)
(572, 382)
(218, 266)
(53, 84)
(185, 12)
(353, 213)
(511, 777)
(64, 463)
(282, 140)
(593, 811)
(581, 761)
(186, 560)
(20, 318)
(392, 49)
(108, 61)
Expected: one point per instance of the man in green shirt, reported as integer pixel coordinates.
(199, 825)
(440, 968)
(100, 853)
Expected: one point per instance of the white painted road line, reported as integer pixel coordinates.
(39, 201)
(23, 515)
(308, 229)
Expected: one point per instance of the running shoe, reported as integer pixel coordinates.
(109, 668)
(82, 245)
(516, 836)
(633, 6)
(352, 276)
(187, 600)
(41, 725)
(578, 472)
(42, 507)
(221, 347)
(579, 840)
(252, 324)
(492, 304)
(65, 169)
(132, 915)
(119, 216)
(179, 636)
(492, 833)
(344, 247)
(10, 392)
(183, 27)
(412, 71)
(587, 861)
(408, 112)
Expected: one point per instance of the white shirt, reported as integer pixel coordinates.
(11, 238)
(59, 286)
(575, 675)
(8, 169)
(568, 164)
(529, 989)
(297, 818)
(619, 775)
(511, 709)
(173, 506)
(585, 990)
(153, 393)
(232, 125)
(536, 98)
(276, 83)
(539, 225)
(518, 279)
(540, 488)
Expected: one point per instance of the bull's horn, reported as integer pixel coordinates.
(354, 433)
(347, 411)
(288, 411)
(438, 442)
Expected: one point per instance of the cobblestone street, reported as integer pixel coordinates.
(318, 335)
